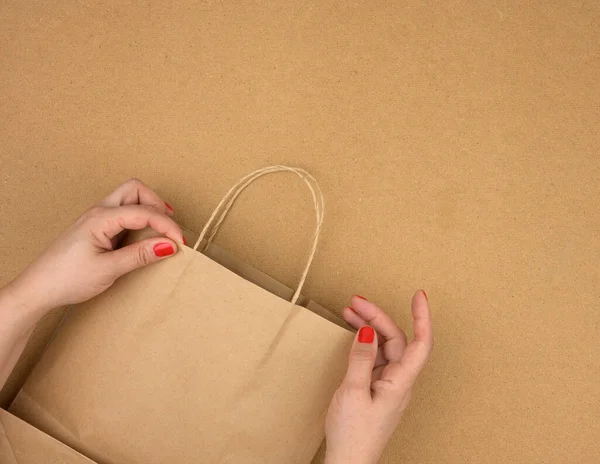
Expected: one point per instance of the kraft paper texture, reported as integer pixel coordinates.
(456, 144)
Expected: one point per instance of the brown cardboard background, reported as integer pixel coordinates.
(456, 144)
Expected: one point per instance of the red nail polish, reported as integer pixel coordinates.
(361, 297)
(168, 206)
(425, 295)
(184, 240)
(163, 249)
(352, 309)
(366, 334)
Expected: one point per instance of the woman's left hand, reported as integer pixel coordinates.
(86, 259)
(382, 371)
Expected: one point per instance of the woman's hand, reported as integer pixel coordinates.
(85, 259)
(382, 370)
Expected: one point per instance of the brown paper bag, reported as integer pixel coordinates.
(185, 361)
(20, 443)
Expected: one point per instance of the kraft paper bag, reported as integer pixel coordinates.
(185, 361)
(20, 443)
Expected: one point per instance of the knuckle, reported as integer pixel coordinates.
(361, 356)
(134, 182)
(93, 212)
(151, 208)
(391, 388)
(347, 394)
(142, 256)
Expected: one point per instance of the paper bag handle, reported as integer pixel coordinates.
(226, 203)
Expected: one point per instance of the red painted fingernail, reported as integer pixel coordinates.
(184, 240)
(163, 249)
(361, 297)
(425, 295)
(352, 309)
(366, 334)
(168, 206)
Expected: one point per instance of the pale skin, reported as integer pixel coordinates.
(87, 258)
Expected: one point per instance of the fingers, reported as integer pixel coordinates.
(352, 318)
(140, 254)
(111, 221)
(420, 347)
(362, 361)
(365, 312)
(135, 192)
(405, 372)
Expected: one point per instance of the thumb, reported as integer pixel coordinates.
(141, 254)
(362, 359)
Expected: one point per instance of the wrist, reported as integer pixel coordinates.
(331, 458)
(20, 308)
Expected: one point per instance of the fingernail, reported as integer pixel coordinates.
(366, 334)
(425, 295)
(168, 206)
(361, 297)
(184, 240)
(352, 309)
(163, 249)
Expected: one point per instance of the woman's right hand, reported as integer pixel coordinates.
(382, 371)
(87, 258)
(84, 261)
